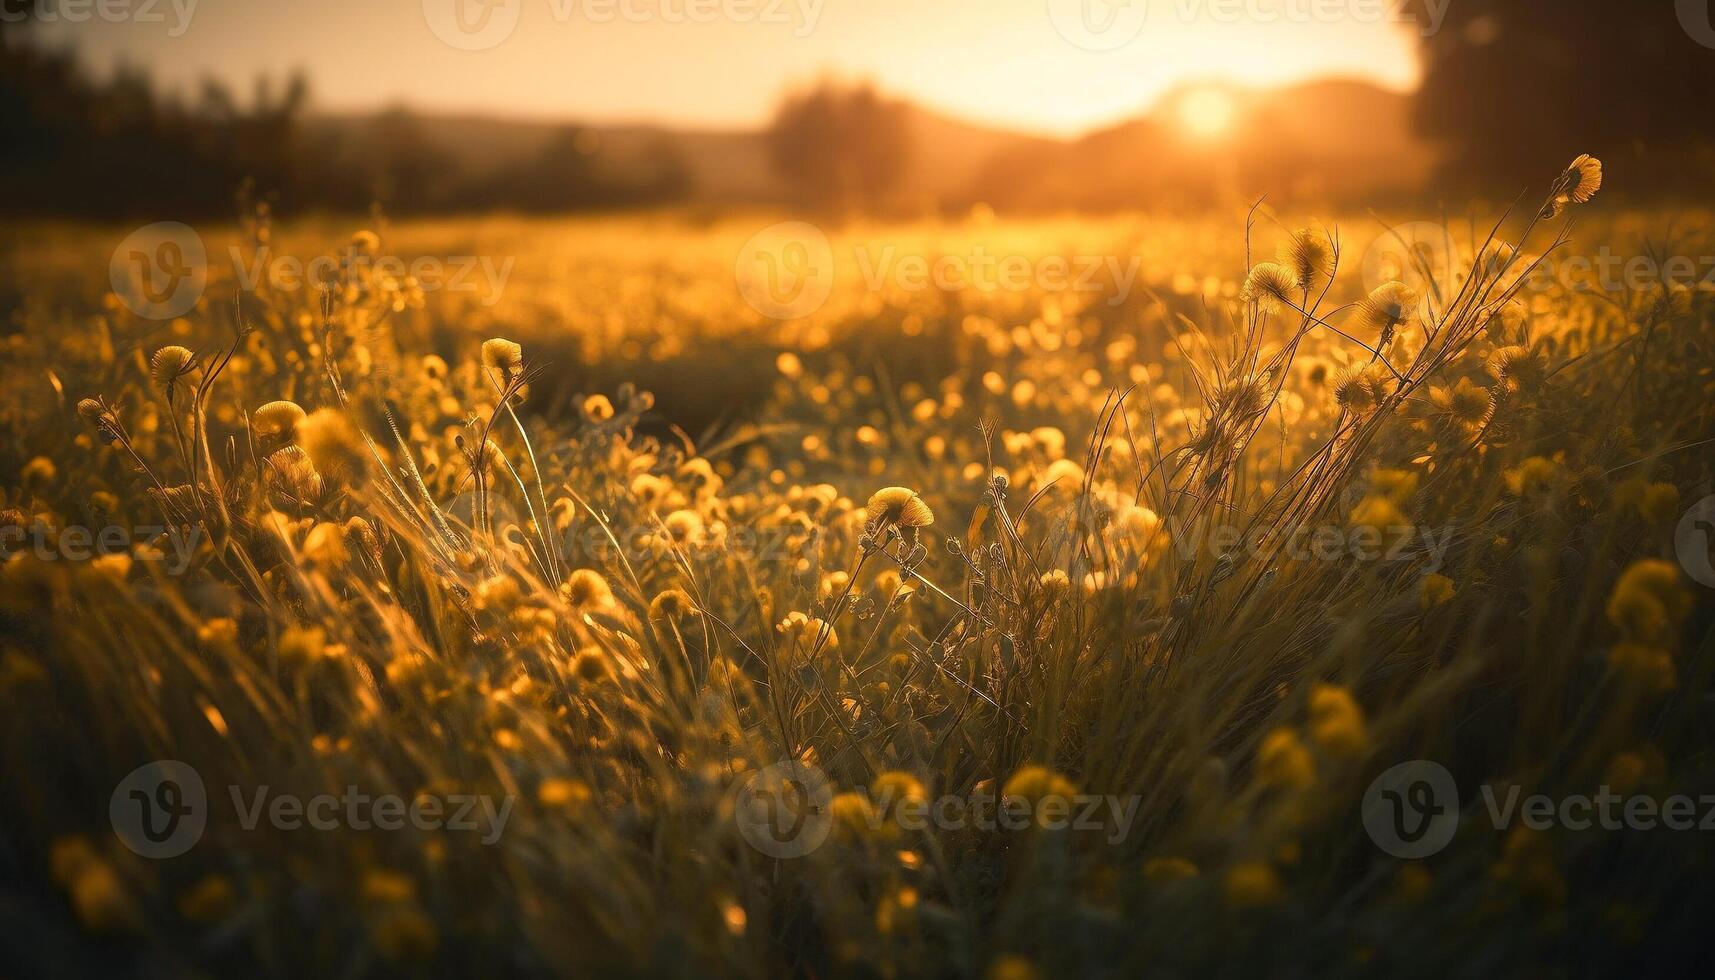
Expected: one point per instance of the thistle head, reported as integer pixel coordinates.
(276, 420)
(170, 366)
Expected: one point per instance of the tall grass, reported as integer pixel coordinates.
(450, 574)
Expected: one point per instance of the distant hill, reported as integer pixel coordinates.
(951, 155)
(1327, 140)
(723, 165)
(1330, 140)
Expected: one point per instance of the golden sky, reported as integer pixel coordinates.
(1054, 66)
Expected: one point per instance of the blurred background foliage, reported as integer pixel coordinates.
(1506, 84)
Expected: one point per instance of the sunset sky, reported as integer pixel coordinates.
(1027, 64)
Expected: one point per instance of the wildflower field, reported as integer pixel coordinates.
(1037, 598)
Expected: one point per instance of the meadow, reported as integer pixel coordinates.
(1148, 543)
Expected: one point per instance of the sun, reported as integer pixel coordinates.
(1206, 111)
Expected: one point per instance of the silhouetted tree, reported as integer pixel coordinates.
(1515, 88)
(115, 148)
(841, 146)
(406, 172)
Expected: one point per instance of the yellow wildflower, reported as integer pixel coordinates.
(1283, 762)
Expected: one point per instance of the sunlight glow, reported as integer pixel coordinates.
(1009, 66)
(1207, 112)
